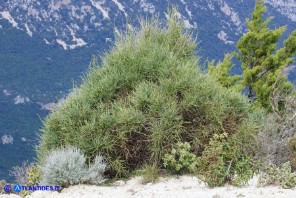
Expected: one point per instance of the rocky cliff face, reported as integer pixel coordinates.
(285, 7)
(74, 23)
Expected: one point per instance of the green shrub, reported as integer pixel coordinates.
(282, 176)
(24, 193)
(33, 175)
(20, 173)
(150, 173)
(28, 174)
(67, 166)
(228, 159)
(180, 160)
(147, 95)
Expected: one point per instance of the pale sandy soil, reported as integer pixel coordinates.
(184, 186)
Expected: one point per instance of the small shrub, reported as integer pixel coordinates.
(223, 160)
(2, 184)
(20, 172)
(150, 173)
(24, 193)
(33, 175)
(66, 166)
(282, 176)
(95, 172)
(26, 175)
(180, 160)
(277, 139)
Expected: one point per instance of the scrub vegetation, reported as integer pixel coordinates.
(149, 107)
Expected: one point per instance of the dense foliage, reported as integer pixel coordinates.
(180, 160)
(221, 70)
(265, 70)
(147, 96)
(282, 176)
(264, 65)
(44, 73)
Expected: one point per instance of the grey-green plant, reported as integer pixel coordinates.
(2, 185)
(95, 172)
(67, 166)
(180, 159)
(282, 176)
(20, 172)
(277, 139)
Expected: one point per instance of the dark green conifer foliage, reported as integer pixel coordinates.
(263, 65)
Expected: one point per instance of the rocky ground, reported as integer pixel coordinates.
(184, 186)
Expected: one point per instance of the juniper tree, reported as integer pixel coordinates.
(262, 63)
(264, 66)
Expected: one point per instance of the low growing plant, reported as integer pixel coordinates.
(20, 172)
(34, 175)
(2, 184)
(150, 173)
(67, 166)
(223, 160)
(95, 171)
(282, 176)
(180, 160)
